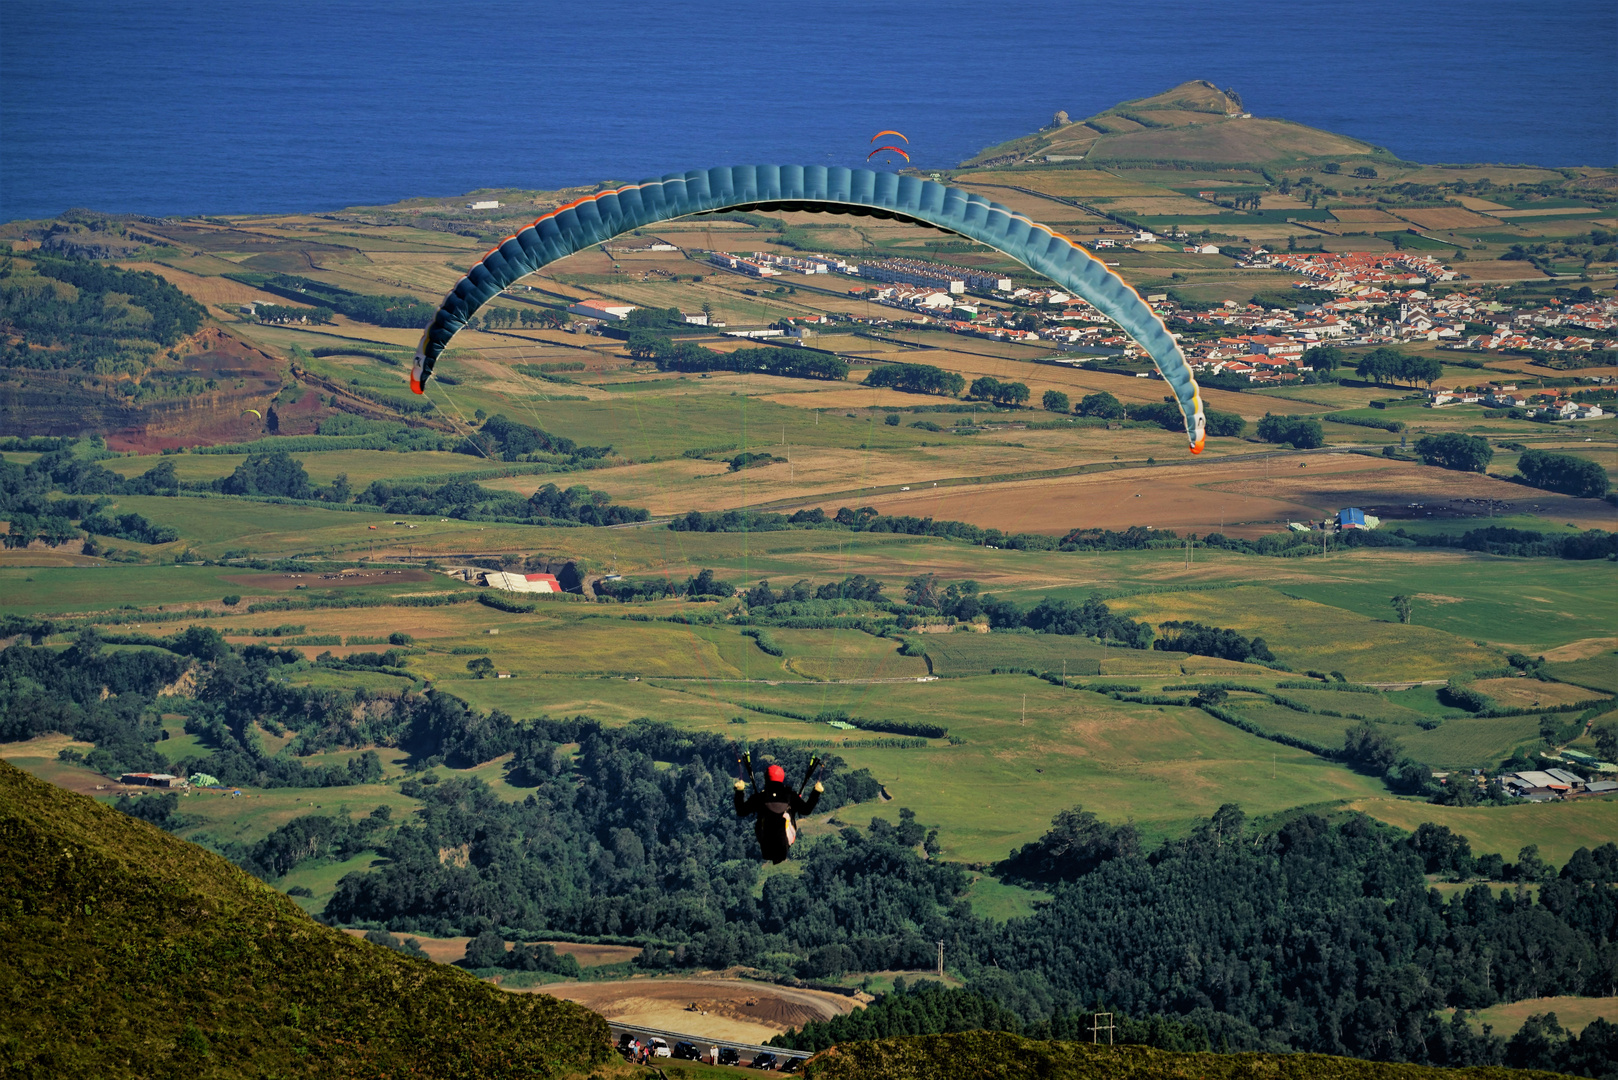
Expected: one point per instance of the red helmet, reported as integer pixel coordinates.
(777, 774)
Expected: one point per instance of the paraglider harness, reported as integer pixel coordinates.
(778, 808)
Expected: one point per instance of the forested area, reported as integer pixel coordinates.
(668, 355)
(917, 379)
(72, 313)
(1313, 935)
(506, 440)
(1570, 475)
(25, 500)
(465, 500)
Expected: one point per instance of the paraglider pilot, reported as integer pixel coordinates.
(777, 807)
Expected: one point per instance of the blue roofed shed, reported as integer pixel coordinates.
(1351, 518)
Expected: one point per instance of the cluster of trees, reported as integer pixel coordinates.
(496, 317)
(115, 320)
(1193, 637)
(1570, 475)
(472, 502)
(26, 502)
(488, 950)
(1312, 936)
(1301, 432)
(1166, 414)
(854, 587)
(917, 379)
(989, 388)
(965, 601)
(508, 440)
(1524, 543)
(1453, 450)
(865, 519)
(689, 356)
(395, 311)
(1385, 366)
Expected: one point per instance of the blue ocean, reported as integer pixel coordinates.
(200, 107)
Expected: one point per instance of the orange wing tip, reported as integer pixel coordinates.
(416, 387)
(1196, 447)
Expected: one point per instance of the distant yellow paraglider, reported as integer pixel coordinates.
(255, 412)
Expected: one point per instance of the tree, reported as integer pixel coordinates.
(232, 600)
(892, 419)
(268, 474)
(1055, 401)
(1452, 450)
(1101, 405)
(1565, 473)
(482, 667)
(1369, 749)
(1402, 605)
(1303, 433)
(488, 949)
(923, 591)
(1606, 737)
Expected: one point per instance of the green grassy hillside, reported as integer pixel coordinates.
(1001, 1056)
(1194, 121)
(131, 953)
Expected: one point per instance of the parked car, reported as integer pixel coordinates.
(687, 1051)
(729, 1056)
(791, 1065)
(628, 1045)
(658, 1047)
(765, 1060)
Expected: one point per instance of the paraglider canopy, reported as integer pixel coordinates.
(879, 150)
(594, 219)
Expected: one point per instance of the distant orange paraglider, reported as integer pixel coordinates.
(879, 149)
(879, 134)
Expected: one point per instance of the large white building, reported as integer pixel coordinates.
(604, 310)
(522, 583)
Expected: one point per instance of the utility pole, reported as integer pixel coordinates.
(1096, 1027)
(1064, 674)
(1025, 710)
(940, 959)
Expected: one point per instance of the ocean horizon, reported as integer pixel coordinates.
(186, 108)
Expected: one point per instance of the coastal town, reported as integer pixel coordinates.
(1344, 300)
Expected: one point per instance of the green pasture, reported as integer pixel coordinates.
(1600, 672)
(1161, 767)
(614, 701)
(255, 813)
(1573, 1013)
(320, 876)
(998, 900)
(964, 653)
(1306, 634)
(29, 590)
(1559, 828)
(1530, 604)
(1470, 742)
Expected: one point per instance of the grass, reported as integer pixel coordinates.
(1573, 1013)
(1161, 768)
(135, 954)
(1307, 634)
(998, 900)
(1528, 604)
(1558, 828)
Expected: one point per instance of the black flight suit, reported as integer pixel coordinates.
(773, 803)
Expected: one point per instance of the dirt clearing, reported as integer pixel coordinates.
(716, 1008)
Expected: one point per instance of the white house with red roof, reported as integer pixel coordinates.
(522, 583)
